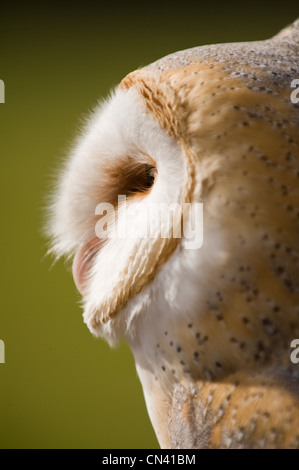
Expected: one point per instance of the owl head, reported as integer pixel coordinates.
(211, 127)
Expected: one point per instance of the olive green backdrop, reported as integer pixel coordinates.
(60, 387)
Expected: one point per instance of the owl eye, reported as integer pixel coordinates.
(148, 178)
(140, 178)
(130, 177)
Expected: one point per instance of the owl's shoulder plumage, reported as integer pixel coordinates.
(254, 411)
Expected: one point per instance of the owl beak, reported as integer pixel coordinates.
(82, 263)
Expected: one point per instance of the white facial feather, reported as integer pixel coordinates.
(119, 127)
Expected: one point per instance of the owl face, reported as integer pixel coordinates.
(124, 152)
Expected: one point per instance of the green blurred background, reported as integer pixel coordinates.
(60, 387)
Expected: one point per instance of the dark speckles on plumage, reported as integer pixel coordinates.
(289, 284)
(253, 115)
(202, 340)
(260, 346)
(220, 298)
(270, 328)
(245, 284)
(179, 349)
(196, 356)
(280, 270)
(266, 321)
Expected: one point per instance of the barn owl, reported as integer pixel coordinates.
(210, 327)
